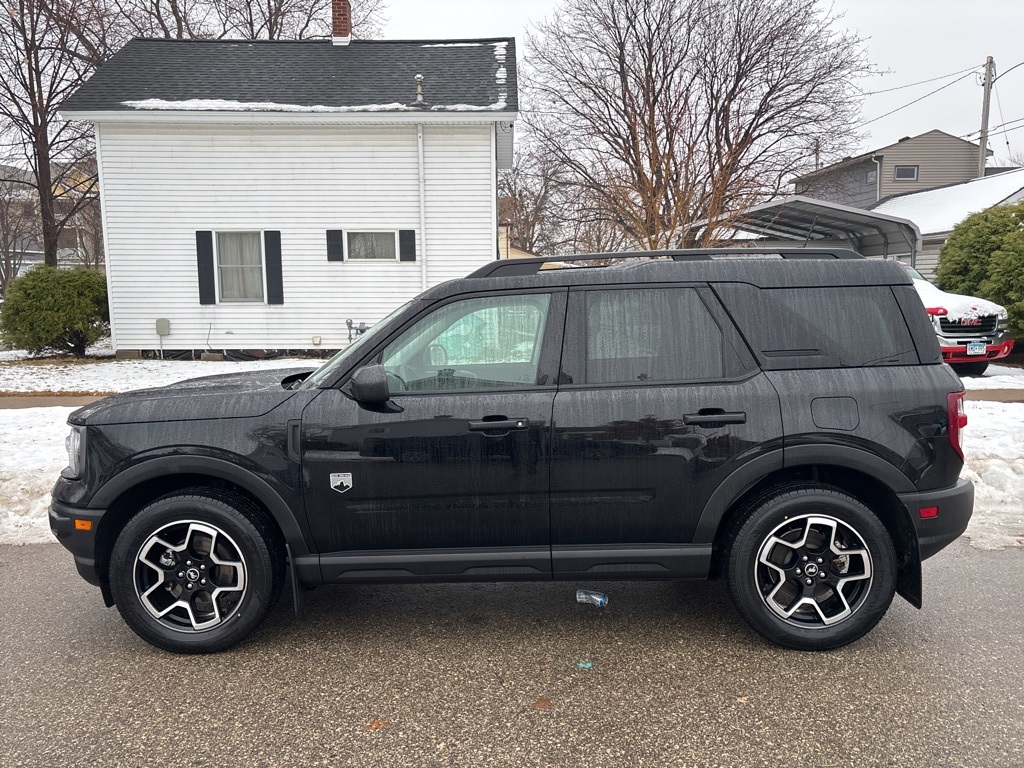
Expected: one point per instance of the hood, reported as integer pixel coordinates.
(229, 396)
(958, 307)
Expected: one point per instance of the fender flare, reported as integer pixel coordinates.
(211, 467)
(736, 484)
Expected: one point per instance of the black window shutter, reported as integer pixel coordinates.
(335, 245)
(275, 279)
(204, 261)
(407, 245)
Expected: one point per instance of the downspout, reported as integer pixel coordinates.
(423, 209)
(878, 177)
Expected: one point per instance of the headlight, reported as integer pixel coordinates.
(73, 443)
(1001, 314)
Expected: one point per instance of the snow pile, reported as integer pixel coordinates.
(994, 447)
(125, 375)
(996, 377)
(32, 455)
(451, 45)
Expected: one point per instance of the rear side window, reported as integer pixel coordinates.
(832, 327)
(653, 335)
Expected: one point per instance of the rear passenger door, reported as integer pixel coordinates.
(659, 401)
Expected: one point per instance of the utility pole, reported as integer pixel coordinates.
(990, 72)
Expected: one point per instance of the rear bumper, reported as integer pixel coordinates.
(953, 507)
(79, 542)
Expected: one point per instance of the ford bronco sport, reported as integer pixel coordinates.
(782, 420)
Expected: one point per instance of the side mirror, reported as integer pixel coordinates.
(370, 385)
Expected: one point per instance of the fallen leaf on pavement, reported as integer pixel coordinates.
(376, 725)
(542, 702)
(743, 699)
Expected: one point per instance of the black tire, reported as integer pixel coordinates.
(970, 369)
(175, 549)
(810, 531)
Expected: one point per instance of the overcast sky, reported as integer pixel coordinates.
(912, 40)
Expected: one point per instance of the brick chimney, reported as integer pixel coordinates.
(341, 22)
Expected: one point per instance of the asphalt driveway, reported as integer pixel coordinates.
(487, 674)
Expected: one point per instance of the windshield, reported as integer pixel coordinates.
(327, 370)
(914, 273)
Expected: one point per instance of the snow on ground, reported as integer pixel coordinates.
(123, 375)
(32, 454)
(996, 377)
(994, 447)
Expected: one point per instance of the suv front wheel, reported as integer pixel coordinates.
(195, 571)
(811, 567)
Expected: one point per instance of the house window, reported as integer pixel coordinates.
(872, 176)
(372, 246)
(905, 173)
(240, 266)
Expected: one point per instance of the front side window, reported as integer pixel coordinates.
(372, 245)
(240, 266)
(655, 335)
(473, 344)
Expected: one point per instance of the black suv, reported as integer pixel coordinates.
(782, 420)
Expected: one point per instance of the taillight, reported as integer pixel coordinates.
(957, 421)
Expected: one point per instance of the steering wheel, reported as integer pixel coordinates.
(400, 374)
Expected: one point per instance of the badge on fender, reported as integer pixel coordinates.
(341, 481)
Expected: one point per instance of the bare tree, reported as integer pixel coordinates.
(19, 221)
(293, 19)
(669, 112)
(44, 66)
(528, 192)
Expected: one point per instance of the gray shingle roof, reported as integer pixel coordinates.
(372, 75)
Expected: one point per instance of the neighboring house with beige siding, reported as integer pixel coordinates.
(259, 194)
(912, 164)
(936, 212)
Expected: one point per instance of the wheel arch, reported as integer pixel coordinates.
(867, 478)
(124, 495)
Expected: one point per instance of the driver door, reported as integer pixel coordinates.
(451, 480)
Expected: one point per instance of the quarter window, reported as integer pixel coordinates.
(377, 246)
(490, 343)
(664, 334)
(240, 266)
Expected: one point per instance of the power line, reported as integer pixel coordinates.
(922, 98)
(1018, 64)
(999, 106)
(922, 82)
(1001, 125)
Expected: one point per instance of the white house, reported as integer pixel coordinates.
(259, 194)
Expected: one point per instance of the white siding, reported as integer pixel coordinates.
(163, 183)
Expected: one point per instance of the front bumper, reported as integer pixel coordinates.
(950, 510)
(958, 354)
(69, 525)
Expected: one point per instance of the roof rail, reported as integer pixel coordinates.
(519, 267)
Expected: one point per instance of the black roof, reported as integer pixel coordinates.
(458, 75)
(779, 269)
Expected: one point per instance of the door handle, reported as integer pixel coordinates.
(495, 425)
(714, 417)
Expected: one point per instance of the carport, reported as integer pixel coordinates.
(814, 222)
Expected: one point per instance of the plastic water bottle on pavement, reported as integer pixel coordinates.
(600, 599)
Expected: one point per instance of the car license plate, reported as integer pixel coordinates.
(976, 348)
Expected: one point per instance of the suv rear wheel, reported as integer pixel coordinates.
(195, 571)
(811, 567)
